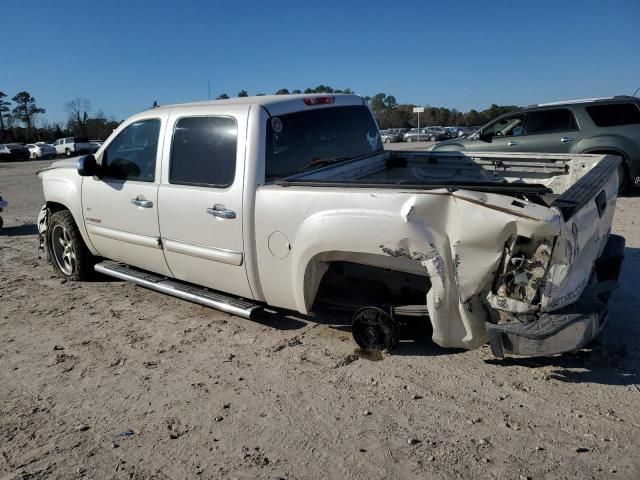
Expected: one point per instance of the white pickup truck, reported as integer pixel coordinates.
(291, 201)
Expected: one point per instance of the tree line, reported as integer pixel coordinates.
(390, 114)
(20, 120)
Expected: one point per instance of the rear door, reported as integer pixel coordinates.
(555, 131)
(201, 195)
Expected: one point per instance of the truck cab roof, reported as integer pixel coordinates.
(277, 104)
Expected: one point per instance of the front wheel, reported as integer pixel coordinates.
(68, 253)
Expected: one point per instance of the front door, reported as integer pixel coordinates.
(201, 196)
(503, 135)
(121, 208)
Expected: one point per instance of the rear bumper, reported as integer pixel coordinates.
(568, 328)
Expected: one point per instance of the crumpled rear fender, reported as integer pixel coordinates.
(457, 239)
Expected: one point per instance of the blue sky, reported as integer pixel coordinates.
(123, 55)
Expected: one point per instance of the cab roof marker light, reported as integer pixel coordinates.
(322, 100)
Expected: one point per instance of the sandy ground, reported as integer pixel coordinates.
(107, 380)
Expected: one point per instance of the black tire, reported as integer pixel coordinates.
(623, 177)
(373, 329)
(67, 152)
(69, 255)
(1, 222)
(409, 139)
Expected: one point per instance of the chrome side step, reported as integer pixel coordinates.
(178, 289)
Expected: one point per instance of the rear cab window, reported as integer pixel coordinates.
(203, 151)
(310, 139)
(551, 121)
(614, 114)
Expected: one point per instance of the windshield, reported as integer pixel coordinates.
(316, 137)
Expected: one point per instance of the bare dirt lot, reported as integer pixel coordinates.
(107, 380)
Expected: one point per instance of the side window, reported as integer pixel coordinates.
(511, 126)
(551, 121)
(614, 114)
(203, 151)
(132, 155)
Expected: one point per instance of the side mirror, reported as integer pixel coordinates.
(87, 166)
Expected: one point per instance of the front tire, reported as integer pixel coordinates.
(67, 251)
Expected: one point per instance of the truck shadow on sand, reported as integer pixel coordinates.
(613, 358)
(19, 230)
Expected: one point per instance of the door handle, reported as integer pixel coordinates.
(566, 139)
(512, 143)
(221, 211)
(140, 201)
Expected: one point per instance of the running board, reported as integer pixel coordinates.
(179, 289)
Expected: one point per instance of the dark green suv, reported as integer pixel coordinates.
(596, 125)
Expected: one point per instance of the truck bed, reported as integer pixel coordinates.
(504, 238)
(546, 176)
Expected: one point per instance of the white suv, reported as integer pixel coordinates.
(72, 145)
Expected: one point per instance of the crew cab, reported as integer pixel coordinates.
(291, 201)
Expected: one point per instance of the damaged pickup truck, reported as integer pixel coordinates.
(291, 201)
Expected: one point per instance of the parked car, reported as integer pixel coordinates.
(414, 135)
(388, 136)
(436, 134)
(95, 145)
(41, 150)
(71, 146)
(290, 201)
(13, 151)
(452, 132)
(609, 125)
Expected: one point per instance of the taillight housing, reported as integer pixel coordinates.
(321, 100)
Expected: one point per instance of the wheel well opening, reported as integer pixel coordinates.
(56, 207)
(349, 286)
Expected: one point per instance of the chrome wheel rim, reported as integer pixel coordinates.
(64, 252)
